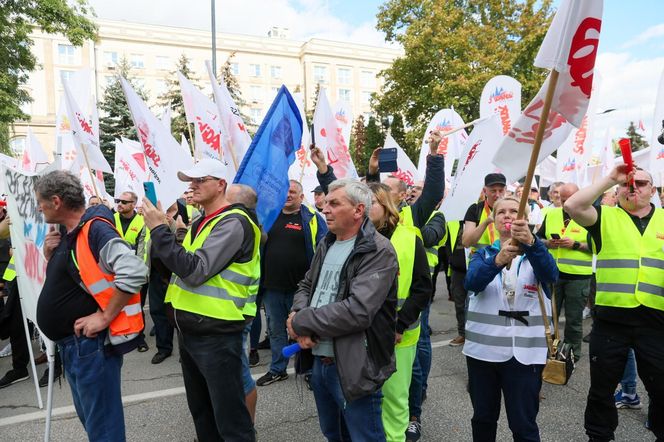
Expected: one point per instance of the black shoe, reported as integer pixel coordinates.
(270, 378)
(43, 381)
(414, 430)
(264, 344)
(143, 347)
(152, 331)
(254, 358)
(159, 357)
(13, 377)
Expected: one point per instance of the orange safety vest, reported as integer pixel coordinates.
(129, 322)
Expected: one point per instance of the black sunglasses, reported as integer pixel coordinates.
(119, 201)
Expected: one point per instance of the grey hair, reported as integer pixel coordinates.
(298, 184)
(242, 194)
(64, 185)
(357, 192)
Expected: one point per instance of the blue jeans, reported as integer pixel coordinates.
(163, 330)
(519, 383)
(94, 379)
(248, 382)
(421, 367)
(212, 373)
(628, 382)
(256, 324)
(359, 421)
(277, 306)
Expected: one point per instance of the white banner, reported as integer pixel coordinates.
(130, 170)
(303, 169)
(33, 154)
(406, 172)
(329, 137)
(547, 171)
(204, 115)
(450, 147)
(502, 96)
(657, 148)
(475, 163)
(159, 148)
(344, 116)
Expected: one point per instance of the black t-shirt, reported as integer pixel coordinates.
(284, 258)
(640, 316)
(541, 233)
(473, 213)
(62, 301)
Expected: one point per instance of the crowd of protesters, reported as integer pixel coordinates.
(350, 279)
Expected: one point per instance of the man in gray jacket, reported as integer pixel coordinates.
(345, 311)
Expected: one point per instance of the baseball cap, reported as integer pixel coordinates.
(495, 178)
(318, 189)
(206, 167)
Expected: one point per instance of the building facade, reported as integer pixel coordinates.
(261, 65)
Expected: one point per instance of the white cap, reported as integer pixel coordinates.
(206, 167)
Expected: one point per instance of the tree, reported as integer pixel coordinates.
(17, 21)
(375, 138)
(637, 140)
(172, 98)
(310, 111)
(452, 48)
(410, 147)
(115, 120)
(358, 141)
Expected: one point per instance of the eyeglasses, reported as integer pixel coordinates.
(118, 201)
(202, 180)
(637, 183)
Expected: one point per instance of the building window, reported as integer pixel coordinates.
(235, 69)
(137, 61)
(66, 75)
(368, 79)
(163, 62)
(366, 97)
(255, 70)
(110, 58)
(66, 54)
(343, 75)
(344, 94)
(17, 145)
(256, 93)
(275, 71)
(255, 115)
(320, 74)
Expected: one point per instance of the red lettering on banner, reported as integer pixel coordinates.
(127, 169)
(150, 152)
(404, 175)
(471, 154)
(582, 54)
(302, 157)
(209, 135)
(35, 267)
(505, 118)
(580, 137)
(526, 135)
(85, 125)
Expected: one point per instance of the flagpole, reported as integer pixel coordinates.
(457, 129)
(192, 146)
(87, 164)
(539, 137)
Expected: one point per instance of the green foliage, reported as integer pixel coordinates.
(637, 140)
(357, 148)
(309, 114)
(18, 18)
(115, 119)
(172, 98)
(233, 86)
(375, 138)
(451, 49)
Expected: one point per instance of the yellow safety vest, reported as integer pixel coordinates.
(406, 216)
(630, 266)
(190, 212)
(403, 240)
(432, 252)
(573, 262)
(453, 228)
(134, 229)
(10, 271)
(229, 295)
(313, 226)
(489, 235)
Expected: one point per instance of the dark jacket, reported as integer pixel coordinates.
(307, 215)
(482, 268)
(362, 320)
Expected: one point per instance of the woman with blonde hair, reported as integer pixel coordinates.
(413, 296)
(505, 344)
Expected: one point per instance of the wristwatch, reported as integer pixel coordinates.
(576, 246)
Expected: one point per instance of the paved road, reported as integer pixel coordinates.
(156, 408)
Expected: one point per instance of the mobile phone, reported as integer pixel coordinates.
(555, 236)
(313, 134)
(387, 159)
(182, 210)
(150, 192)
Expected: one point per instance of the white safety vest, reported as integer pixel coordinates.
(493, 337)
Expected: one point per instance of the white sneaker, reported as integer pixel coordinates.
(586, 313)
(7, 351)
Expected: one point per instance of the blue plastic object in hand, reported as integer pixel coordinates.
(290, 350)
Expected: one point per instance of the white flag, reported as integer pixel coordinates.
(33, 154)
(547, 171)
(166, 118)
(474, 164)
(450, 146)
(159, 148)
(501, 95)
(657, 148)
(303, 169)
(130, 168)
(185, 154)
(406, 170)
(607, 157)
(84, 131)
(330, 138)
(237, 139)
(344, 116)
(204, 115)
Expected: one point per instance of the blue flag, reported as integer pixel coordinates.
(272, 151)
